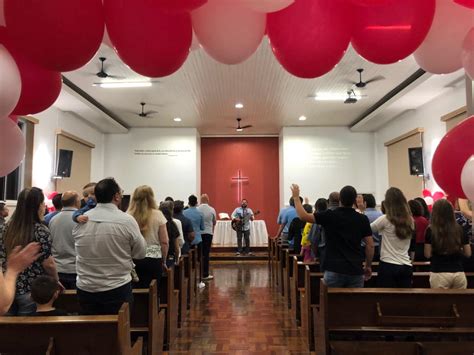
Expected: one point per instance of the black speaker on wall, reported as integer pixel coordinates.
(64, 163)
(415, 156)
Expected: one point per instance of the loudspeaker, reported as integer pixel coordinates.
(415, 156)
(64, 163)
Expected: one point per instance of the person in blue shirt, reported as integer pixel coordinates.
(372, 214)
(89, 195)
(58, 206)
(243, 215)
(197, 219)
(285, 217)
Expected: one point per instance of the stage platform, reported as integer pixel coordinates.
(228, 254)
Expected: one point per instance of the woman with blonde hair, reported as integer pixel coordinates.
(397, 229)
(446, 245)
(152, 225)
(26, 226)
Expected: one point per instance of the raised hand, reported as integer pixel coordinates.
(20, 258)
(295, 191)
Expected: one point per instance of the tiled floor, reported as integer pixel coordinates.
(238, 313)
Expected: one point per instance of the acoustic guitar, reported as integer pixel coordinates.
(237, 223)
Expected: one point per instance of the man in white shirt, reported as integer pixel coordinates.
(64, 252)
(209, 215)
(105, 247)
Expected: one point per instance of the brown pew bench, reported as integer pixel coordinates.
(421, 315)
(288, 275)
(181, 284)
(169, 302)
(72, 335)
(145, 318)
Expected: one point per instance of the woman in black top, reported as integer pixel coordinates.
(446, 245)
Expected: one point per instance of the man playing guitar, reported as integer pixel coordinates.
(241, 218)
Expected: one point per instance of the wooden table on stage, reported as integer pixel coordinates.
(225, 236)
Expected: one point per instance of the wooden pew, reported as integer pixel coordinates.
(73, 335)
(272, 245)
(287, 275)
(281, 267)
(189, 275)
(146, 319)
(372, 314)
(169, 301)
(181, 284)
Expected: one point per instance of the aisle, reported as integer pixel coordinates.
(238, 313)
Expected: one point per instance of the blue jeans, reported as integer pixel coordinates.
(22, 305)
(334, 279)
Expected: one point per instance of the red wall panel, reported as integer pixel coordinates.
(258, 160)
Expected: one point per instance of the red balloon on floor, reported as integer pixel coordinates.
(391, 32)
(59, 35)
(310, 36)
(151, 41)
(451, 155)
(39, 87)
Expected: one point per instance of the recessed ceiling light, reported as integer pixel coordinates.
(302, 118)
(239, 129)
(239, 105)
(118, 85)
(177, 119)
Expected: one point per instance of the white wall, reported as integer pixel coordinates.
(44, 158)
(428, 117)
(325, 159)
(173, 174)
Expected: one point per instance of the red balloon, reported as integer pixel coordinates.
(310, 36)
(14, 118)
(57, 34)
(371, 2)
(388, 33)
(449, 158)
(151, 41)
(180, 5)
(39, 87)
(466, 3)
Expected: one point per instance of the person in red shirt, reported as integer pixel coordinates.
(421, 223)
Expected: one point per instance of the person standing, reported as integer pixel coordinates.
(3, 212)
(106, 246)
(285, 217)
(188, 231)
(197, 220)
(58, 206)
(209, 215)
(243, 215)
(372, 214)
(64, 252)
(152, 224)
(344, 228)
(446, 245)
(421, 223)
(397, 228)
(26, 226)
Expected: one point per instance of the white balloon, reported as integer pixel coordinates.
(10, 83)
(467, 178)
(267, 5)
(429, 200)
(228, 31)
(440, 52)
(106, 39)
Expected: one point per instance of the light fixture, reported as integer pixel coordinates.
(239, 105)
(239, 129)
(302, 118)
(326, 96)
(177, 119)
(119, 85)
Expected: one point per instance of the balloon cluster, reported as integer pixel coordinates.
(453, 161)
(41, 39)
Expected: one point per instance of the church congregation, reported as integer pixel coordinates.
(236, 177)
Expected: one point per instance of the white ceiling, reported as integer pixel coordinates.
(203, 93)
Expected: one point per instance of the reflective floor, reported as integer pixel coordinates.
(238, 313)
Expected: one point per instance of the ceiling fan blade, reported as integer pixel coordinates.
(247, 126)
(115, 76)
(376, 78)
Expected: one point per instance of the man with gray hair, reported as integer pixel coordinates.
(209, 215)
(64, 252)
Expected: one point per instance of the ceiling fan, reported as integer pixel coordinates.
(102, 73)
(143, 113)
(241, 128)
(362, 84)
(351, 97)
